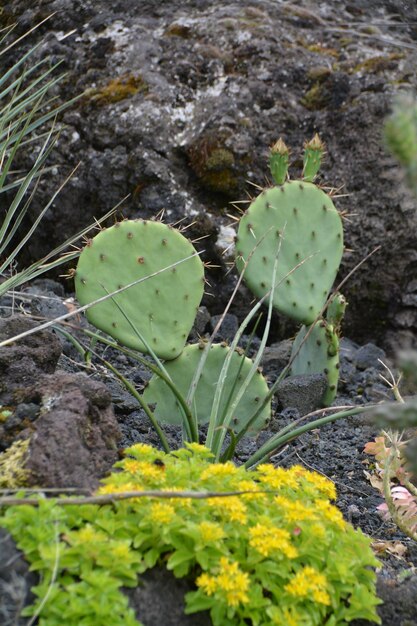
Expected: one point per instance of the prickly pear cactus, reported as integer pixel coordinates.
(182, 371)
(299, 220)
(163, 307)
(317, 348)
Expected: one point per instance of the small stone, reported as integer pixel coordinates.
(368, 355)
(304, 393)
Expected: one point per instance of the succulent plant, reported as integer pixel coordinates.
(316, 347)
(181, 370)
(159, 311)
(298, 221)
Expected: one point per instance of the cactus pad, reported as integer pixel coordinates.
(163, 307)
(304, 219)
(319, 354)
(182, 371)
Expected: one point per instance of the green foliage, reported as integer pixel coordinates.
(280, 557)
(157, 314)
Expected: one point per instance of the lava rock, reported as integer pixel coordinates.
(23, 360)
(73, 443)
(369, 356)
(304, 393)
(228, 329)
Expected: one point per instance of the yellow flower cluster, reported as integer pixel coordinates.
(230, 507)
(277, 477)
(219, 470)
(144, 470)
(294, 510)
(268, 539)
(249, 485)
(87, 535)
(322, 484)
(120, 488)
(211, 532)
(142, 449)
(331, 513)
(308, 582)
(161, 513)
(230, 583)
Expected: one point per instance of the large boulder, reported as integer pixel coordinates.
(181, 102)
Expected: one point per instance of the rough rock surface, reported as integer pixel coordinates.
(73, 442)
(22, 361)
(182, 99)
(304, 393)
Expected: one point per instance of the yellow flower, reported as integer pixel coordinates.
(121, 551)
(322, 484)
(143, 450)
(294, 510)
(211, 532)
(277, 477)
(161, 513)
(219, 470)
(233, 582)
(145, 470)
(330, 513)
(317, 530)
(207, 583)
(199, 448)
(249, 485)
(121, 488)
(268, 539)
(309, 581)
(230, 507)
(322, 597)
(87, 535)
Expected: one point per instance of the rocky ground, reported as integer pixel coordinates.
(181, 101)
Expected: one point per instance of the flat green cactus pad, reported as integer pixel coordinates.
(182, 371)
(304, 219)
(318, 354)
(163, 307)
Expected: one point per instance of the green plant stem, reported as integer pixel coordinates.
(276, 442)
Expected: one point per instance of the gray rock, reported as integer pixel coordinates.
(304, 393)
(25, 359)
(368, 355)
(276, 357)
(154, 608)
(228, 329)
